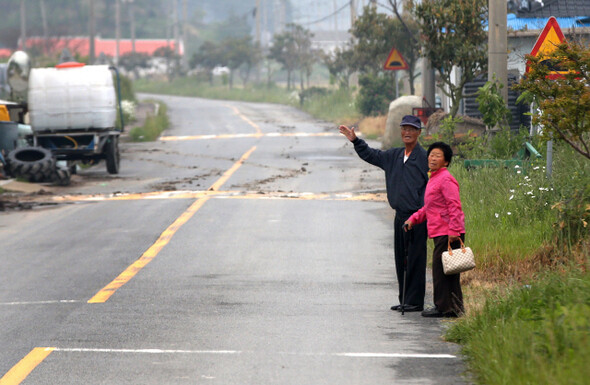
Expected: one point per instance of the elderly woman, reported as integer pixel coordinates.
(445, 222)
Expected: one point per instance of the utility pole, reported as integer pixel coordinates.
(45, 27)
(335, 16)
(91, 32)
(498, 45)
(132, 24)
(184, 32)
(352, 12)
(117, 30)
(23, 25)
(175, 26)
(258, 18)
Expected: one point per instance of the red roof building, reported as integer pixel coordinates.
(5, 53)
(81, 45)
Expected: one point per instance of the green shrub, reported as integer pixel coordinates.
(375, 94)
(127, 92)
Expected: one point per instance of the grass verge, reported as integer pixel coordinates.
(153, 126)
(190, 86)
(536, 333)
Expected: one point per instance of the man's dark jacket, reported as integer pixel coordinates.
(405, 182)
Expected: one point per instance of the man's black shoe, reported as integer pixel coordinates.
(396, 307)
(410, 308)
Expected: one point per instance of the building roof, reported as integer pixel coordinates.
(557, 8)
(81, 45)
(532, 23)
(5, 52)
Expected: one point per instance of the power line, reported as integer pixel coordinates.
(330, 15)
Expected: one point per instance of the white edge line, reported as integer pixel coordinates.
(164, 351)
(394, 355)
(40, 302)
(146, 351)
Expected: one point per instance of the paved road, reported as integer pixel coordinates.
(249, 246)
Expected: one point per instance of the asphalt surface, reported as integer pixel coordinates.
(249, 246)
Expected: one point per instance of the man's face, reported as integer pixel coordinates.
(410, 134)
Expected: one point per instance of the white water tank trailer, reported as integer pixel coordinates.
(78, 97)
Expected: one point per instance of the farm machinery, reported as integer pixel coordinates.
(58, 117)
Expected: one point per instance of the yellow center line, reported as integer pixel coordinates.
(106, 292)
(20, 371)
(228, 173)
(245, 118)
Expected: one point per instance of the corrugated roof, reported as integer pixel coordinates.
(558, 9)
(532, 23)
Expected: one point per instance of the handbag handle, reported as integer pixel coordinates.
(451, 250)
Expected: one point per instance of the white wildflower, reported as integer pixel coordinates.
(511, 197)
(128, 108)
(509, 213)
(497, 215)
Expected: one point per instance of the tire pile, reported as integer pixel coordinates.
(36, 164)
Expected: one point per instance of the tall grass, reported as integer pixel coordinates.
(535, 334)
(153, 126)
(191, 86)
(508, 211)
(513, 213)
(337, 106)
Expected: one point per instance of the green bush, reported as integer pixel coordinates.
(375, 94)
(127, 92)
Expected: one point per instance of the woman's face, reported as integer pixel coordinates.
(436, 160)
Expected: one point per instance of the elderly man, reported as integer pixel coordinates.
(406, 175)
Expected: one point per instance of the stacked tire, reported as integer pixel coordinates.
(35, 164)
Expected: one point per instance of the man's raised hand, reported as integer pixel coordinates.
(348, 132)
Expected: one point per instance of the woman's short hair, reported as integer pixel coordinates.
(445, 148)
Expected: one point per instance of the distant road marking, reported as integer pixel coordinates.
(245, 118)
(39, 302)
(106, 292)
(257, 135)
(20, 371)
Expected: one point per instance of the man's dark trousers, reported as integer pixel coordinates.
(416, 270)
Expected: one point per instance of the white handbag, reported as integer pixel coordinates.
(457, 260)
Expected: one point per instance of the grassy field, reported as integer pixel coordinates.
(528, 300)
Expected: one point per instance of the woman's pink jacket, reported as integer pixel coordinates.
(442, 206)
